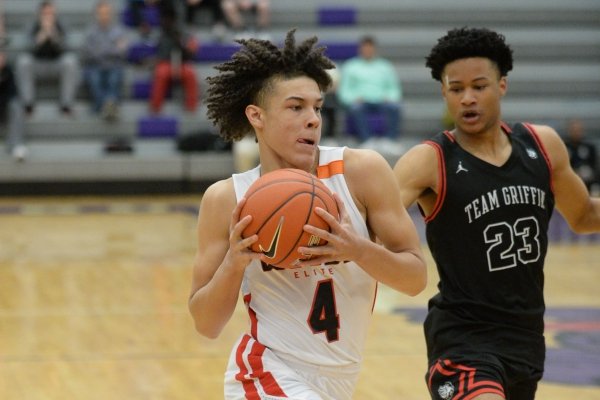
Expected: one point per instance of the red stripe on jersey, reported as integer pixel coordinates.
(450, 136)
(247, 384)
(328, 170)
(537, 139)
(441, 181)
(252, 314)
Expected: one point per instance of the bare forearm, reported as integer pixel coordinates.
(212, 305)
(404, 271)
(590, 223)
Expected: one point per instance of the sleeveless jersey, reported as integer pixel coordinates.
(488, 237)
(314, 316)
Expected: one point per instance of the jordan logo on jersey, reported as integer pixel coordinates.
(461, 168)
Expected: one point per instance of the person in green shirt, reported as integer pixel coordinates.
(369, 85)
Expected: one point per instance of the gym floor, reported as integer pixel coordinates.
(93, 305)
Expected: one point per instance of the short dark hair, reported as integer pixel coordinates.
(469, 42)
(245, 78)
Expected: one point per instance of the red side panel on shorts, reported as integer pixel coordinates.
(467, 387)
(255, 374)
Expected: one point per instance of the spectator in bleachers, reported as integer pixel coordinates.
(236, 14)
(330, 104)
(3, 36)
(582, 154)
(11, 111)
(175, 55)
(103, 53)
(217, 16)
(369, 84)
(136, 10)
(48, 56)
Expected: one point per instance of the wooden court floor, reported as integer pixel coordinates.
(93, 305)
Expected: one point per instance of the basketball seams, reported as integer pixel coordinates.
(283, 193)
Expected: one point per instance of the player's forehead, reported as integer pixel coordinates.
(300, 87)
(469, 69)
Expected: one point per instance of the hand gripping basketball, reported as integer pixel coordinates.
(281, 203)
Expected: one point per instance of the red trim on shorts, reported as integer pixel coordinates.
(248, 379)
(266, 379)
(247, 384)
(467, 387)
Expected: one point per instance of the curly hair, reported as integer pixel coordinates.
(469, 42)
(248, 76)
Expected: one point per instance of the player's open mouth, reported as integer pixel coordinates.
(470, 115)
(306, 141)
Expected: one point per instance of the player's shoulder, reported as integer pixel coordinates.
(548, 136)
(365, 160)
(219, 195)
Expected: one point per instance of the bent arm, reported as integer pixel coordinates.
(399, 263)
(573, 200)
(220, 260)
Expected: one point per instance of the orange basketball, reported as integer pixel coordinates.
(281, 203)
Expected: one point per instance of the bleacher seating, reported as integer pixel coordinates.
(556, 76)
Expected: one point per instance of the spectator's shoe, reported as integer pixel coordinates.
(28, 108)
(67, 111)
(20, 153)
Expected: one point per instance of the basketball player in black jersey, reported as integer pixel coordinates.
(487, 191)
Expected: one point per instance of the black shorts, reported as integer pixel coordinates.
(463, 377)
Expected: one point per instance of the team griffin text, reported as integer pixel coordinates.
(506, 196)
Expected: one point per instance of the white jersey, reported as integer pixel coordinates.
(316, 317)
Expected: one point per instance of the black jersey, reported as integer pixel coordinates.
(488, 236)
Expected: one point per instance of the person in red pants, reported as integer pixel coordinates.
(175, 54)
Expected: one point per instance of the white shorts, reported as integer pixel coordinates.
(255, 372)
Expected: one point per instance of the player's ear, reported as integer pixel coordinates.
(503, 85)
(254, 115)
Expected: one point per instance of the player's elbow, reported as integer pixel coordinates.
(209, 331)
(419, 282)
(201, 323)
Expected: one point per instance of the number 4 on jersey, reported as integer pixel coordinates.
(323, 315)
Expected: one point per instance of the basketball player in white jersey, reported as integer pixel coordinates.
(308, 325)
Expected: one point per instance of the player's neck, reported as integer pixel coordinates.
(493, 146)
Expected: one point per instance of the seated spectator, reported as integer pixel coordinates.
(217, 16)
(103, 53)
(3, 36)
(369, 84)
(330, 105)
(11, 111)
(582, 154)
(48, 57)
(175, 53)
(136, 9)
(260, 10)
